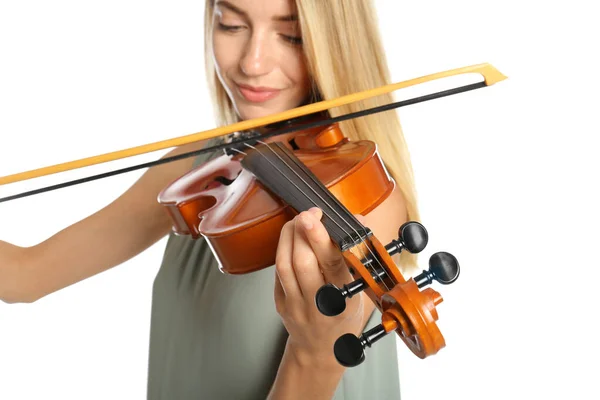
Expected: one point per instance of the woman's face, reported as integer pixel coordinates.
(258, 55)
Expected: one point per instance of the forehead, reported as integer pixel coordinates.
(270, 9)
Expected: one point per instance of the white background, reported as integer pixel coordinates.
(506, 178)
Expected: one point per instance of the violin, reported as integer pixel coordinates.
(247, 195)
(236, 201)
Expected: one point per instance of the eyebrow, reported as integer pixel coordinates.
(228, 5)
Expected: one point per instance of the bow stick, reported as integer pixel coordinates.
(490, 76)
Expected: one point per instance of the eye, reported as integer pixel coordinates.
(292, 39)
(229, 28)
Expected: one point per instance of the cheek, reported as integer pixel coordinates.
(297, 70)
(224, 54)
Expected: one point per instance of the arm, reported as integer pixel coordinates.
(111, 236)
(308, 369)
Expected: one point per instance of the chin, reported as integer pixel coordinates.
(247, 112)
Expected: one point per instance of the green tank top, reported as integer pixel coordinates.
(215, 336)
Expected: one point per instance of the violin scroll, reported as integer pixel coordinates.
(405, 308)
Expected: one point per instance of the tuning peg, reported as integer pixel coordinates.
(332, 301)
(443, 267)
(412, 236)
(349, 350)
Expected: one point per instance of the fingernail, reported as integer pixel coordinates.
(315, 211)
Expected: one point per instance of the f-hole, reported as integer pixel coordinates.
(292, 143)
(222, 180)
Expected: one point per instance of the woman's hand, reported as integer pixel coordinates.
(306, 260)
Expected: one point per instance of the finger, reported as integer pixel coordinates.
(306, 265)
(328, 254)
(283, 262)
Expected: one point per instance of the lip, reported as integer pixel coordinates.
(257, 94)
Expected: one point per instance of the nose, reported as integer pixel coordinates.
(257, 59)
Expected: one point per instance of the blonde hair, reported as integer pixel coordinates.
(344, 54)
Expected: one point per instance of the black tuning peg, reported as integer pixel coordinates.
(332, 300)
(443, 267)
(349, 350)
(412, 236)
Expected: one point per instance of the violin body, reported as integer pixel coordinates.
(241, 219)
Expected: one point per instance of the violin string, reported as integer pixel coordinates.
(297, 187)
(415, 341)
(375, 259)
(363, 255)
(305, 195)
(324, 211)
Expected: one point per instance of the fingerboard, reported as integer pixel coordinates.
(279, 170)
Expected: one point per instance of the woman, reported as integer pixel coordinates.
(256, 336)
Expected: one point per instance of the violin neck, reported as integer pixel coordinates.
(278, 169)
